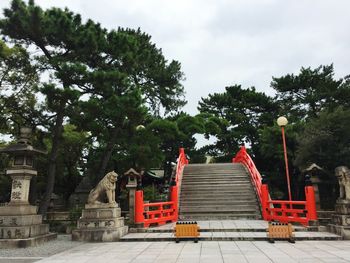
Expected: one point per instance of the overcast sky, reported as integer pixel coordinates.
(220, 43)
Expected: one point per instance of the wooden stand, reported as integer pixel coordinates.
(186, 230)
(280, 231)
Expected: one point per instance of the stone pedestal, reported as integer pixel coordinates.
(100, 223)
(341, 219)
(20, 226)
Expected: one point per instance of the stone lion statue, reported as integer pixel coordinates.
(106, 187)
(343, 175)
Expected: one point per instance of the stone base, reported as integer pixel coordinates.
(343, 231)
(342, 207)
(15, 232)
(342, 220)
(101, 205)
(27, 242)
(20, 226)
(99, 235)
(15, 210)
(100, 223)
(340, 224)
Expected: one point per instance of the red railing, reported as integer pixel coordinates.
(162, 212)
(278, 210)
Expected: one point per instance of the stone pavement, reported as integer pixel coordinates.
(211, 251)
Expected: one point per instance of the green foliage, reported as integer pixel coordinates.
(5, 180)
(326, 140)
(18, 78)
(311, 91)
(152, 194)
(123, 76)
(75, 214)
(235, 116)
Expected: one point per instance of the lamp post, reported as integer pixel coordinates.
(282, 122)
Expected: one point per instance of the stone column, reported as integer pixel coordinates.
(20, 185)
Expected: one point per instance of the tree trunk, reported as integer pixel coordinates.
(107, 153)
(57, 135)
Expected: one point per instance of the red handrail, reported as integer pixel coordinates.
(161, 212)
(243, 157)
(279, 210)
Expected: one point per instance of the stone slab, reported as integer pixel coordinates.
(101, 213)
(99, 235)
(342, 208)
(227, 236)
(100, 206)
(16, 232)
(343, 231)
(27, 242)
(88, 223)
(16, 210)
(342, 220)
(20, 220)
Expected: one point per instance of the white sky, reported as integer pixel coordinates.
(225, 42)
(220, 43)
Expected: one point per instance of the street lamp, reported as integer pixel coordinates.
(282, 122)
(140, 127)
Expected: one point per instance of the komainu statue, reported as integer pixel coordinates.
(106, 187)
(343, 175)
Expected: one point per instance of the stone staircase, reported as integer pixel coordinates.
(217, 192)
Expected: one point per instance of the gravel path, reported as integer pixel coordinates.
(32, 254)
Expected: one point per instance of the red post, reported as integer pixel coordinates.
(182, 153)
(310, 203)
(174, 198)
(286, 162)
(265, 201)
(139, 219)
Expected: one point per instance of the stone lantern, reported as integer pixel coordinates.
(20, 226)
(21, 170)
(134, 179)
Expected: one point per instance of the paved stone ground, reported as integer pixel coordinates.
(33, 254)
(211, 251)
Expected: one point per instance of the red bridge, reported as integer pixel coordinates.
(285, 211)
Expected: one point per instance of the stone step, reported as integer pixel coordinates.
(216, 173)
(202, 202)
(227, 193)
(230, 171)
(212, 210)
(213, 166)
(217, 201)
(216, 182)
(225, 188)
(218, 176)
(227, 236)
(210, 229)
(218, 196)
